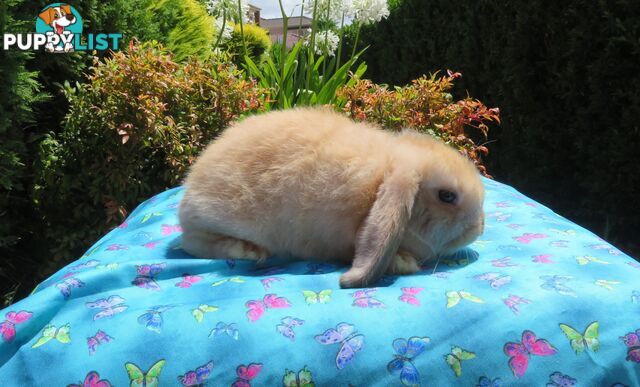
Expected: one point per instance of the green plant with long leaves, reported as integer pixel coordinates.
(299, 76)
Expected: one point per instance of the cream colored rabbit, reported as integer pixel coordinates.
(311, 183)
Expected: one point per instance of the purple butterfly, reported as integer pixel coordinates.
(286, 328)
(632, 341)
(559, 243)
(146, 276)
(603, 246)
(406, 351)
(152, 319)
(110, 306)
(198, 377)
(496, 280)
(364, 299)
(503, 262)
(266, 282)
(85, 265)
(116, 247)
(557, 283)
(350, 342)
(66, 285)
(99, 338)
(513, 302)
(557, 379)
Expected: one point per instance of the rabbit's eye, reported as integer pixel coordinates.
(447, 196)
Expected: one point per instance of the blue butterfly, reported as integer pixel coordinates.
(406, 351)
(152, 319)
(486, 382)
(635, 297)
(229, 329)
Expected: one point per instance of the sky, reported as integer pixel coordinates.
(271, 9)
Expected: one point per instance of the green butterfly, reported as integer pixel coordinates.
(589, 339)
(149, 215)
(584, 259)
(144, 379)
(302, 379)
(453, 298)
(607, 284)
(198, 313)
(50, 332)
(237, 280)
(455, 358)
(322, 296)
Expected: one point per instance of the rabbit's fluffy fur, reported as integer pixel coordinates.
(311, 183)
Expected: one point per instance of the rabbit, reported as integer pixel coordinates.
(310, 183)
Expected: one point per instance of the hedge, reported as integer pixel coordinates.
(566, 76)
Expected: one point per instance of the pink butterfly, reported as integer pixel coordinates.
(529, 237)
(364, 299)
(519, 353)
(124, 225)
(92, 380)
(503, 262)
(146, 278)
(409, 295)
(634, 264)
(270, 301)
(266, 282)
(514, 226)
(496, 280)
(188, 280)
(504, 204)
(168, 229)
(531, 204)
(246, 374)
(150, 245)
(8, 326)
(542, 258)
(512, 302)
(99, 338)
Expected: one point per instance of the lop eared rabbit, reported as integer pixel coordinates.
(313, 184)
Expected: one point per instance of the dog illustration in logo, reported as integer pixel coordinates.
(58, 18)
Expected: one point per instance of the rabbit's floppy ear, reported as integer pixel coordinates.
(381, 233)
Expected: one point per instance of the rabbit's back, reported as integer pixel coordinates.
(298, 181)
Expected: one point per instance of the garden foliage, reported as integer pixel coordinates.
(567, 81)
(425, 105)
(131, 130)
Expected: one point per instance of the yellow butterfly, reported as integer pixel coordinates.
(198, 313)
(51, 332)
(606, 284)
(584, 259)
(480, 243)
(454, 297)
(237, 280)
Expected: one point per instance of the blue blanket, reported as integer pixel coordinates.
(537, 300)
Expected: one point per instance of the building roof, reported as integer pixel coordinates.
(294, 22)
